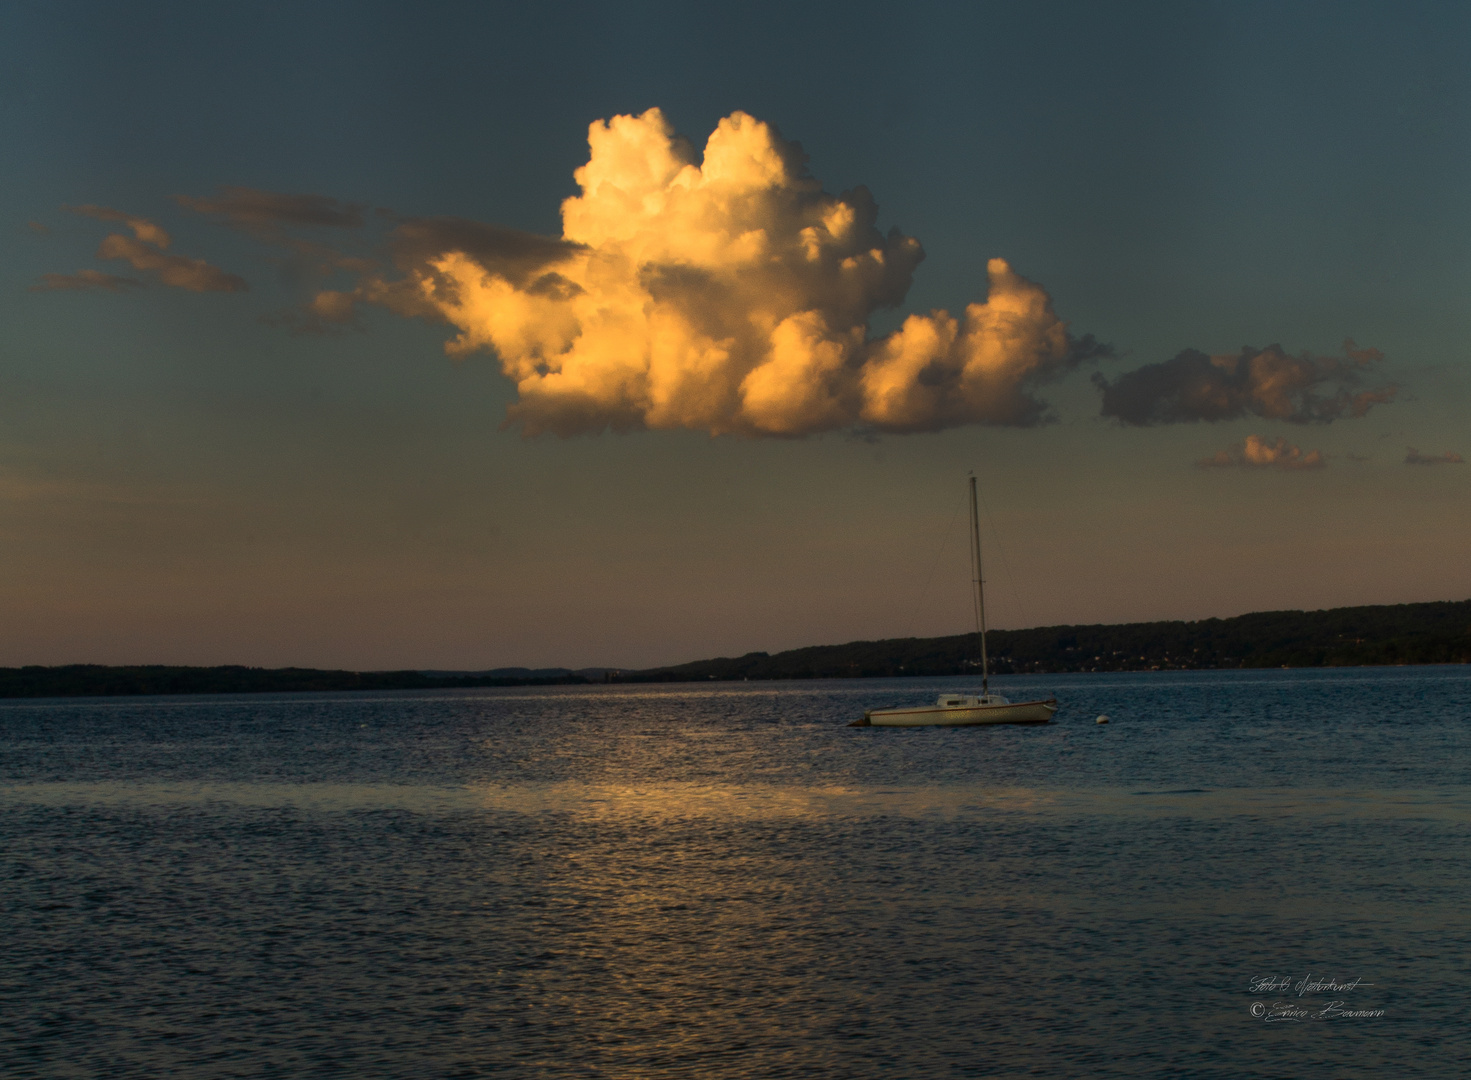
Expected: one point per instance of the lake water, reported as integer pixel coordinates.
(725, 881)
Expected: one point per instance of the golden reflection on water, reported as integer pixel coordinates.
(690, 800)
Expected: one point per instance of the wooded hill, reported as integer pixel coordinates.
(1437, 633)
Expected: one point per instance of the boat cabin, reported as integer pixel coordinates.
(964, 701)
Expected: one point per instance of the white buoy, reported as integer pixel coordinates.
(1102, 720)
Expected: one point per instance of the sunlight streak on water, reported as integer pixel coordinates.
(693, 800)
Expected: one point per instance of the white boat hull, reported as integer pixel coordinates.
(1021, 712)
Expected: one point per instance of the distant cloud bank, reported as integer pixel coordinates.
(726, 291)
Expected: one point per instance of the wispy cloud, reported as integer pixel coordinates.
(1450, 457)
(1257, 453)
(145, 230)
(1268, 383)
(264, 215)
(38, 228)
(253, 207)
(85, 279)
(180, 271)
(146, 250)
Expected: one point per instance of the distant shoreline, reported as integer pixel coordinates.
(1376, 636)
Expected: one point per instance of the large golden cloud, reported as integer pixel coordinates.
(730, 294)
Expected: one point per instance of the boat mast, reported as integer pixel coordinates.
(980, 590)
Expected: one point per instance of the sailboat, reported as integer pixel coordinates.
(965, 710)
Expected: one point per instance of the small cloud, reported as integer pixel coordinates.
(1450, 457)
(38, 228)
(1257, 453)
(85, 279)
(1269, 383)
(253, 208)
(333, 307)
(180, 271)
(1360, 403)
(145, 230)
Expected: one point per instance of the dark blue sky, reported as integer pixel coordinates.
(184, 479)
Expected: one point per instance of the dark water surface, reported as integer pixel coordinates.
(681, 881)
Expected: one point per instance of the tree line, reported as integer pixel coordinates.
(1433, 633)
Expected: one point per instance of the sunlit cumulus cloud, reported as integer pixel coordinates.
(147, 249)
(1450, 457)
(1257, 453)
(726, 293)
(1268, 383)
(85, 279)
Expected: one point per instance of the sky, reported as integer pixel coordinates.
(469, 336)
